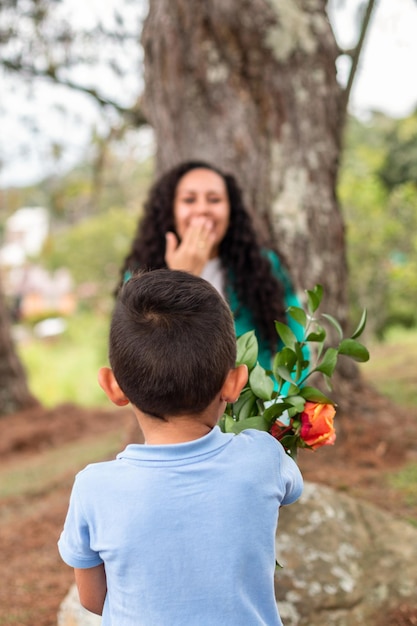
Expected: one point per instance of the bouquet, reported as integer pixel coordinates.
(297, 414)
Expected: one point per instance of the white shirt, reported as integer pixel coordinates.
(213, 273)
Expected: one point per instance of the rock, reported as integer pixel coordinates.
(344, 561)
(71, 613)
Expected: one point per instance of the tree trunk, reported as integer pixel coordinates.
(14, 393)
(251, 85)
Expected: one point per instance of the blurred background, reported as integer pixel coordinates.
(319, 122)
(77, 158)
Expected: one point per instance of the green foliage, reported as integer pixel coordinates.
(404, 481)
(64, 369)
(406, 478)
(93, 188)
(93, 250)
(400, 163)
(40, 474)
(393, 368)
(262, 402)
(95, 228)
(381, 229)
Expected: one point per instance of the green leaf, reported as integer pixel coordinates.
(247, 349)
(258, 422)
(312, 301)
(260, 383)
(245, 405)
(298, 350)
(361, 325)
(275, 410)
(222, 422)
(291, 443)
(228, 423)
(296, 401)
(284, 373)
(317, 335)
(354, 349)
(314, 297)
(293, 411)
(328, 363)
(334, 323)
(285, 358)
(287, 336)
(299, 362)
(293, 389)
(318, 290)
(314, 395)
(298, 314)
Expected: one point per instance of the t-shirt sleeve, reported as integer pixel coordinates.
(282, 469)
(74, 542)
(291, 477)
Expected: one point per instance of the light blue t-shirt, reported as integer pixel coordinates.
(186, 532)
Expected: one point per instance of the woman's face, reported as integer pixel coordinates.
(201, 196)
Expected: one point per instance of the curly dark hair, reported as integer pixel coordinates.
(246, 268)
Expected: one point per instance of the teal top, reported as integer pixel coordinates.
(243, 317)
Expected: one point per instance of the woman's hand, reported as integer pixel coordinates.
(195, 249)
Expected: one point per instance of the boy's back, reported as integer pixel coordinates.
(187, 532)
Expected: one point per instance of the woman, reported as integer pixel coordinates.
(195, 220)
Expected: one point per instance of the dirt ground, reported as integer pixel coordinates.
(375, 440)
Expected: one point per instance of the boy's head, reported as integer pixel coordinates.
(172, 342)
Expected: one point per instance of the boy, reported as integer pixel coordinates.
(179, 531)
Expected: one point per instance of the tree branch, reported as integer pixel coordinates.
(356, 52)
(134, 114)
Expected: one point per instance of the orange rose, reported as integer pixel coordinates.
(317, 424)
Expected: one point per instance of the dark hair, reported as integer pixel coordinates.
(245, 267)
(172, 342)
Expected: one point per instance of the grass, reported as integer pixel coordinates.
(17, 617)
(64, 368)
(392, 368)
(40, 474)
(406, 481)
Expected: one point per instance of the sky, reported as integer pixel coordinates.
(385, 82)
(386, 77)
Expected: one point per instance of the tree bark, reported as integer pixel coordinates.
(14, 392)
(250, 85)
